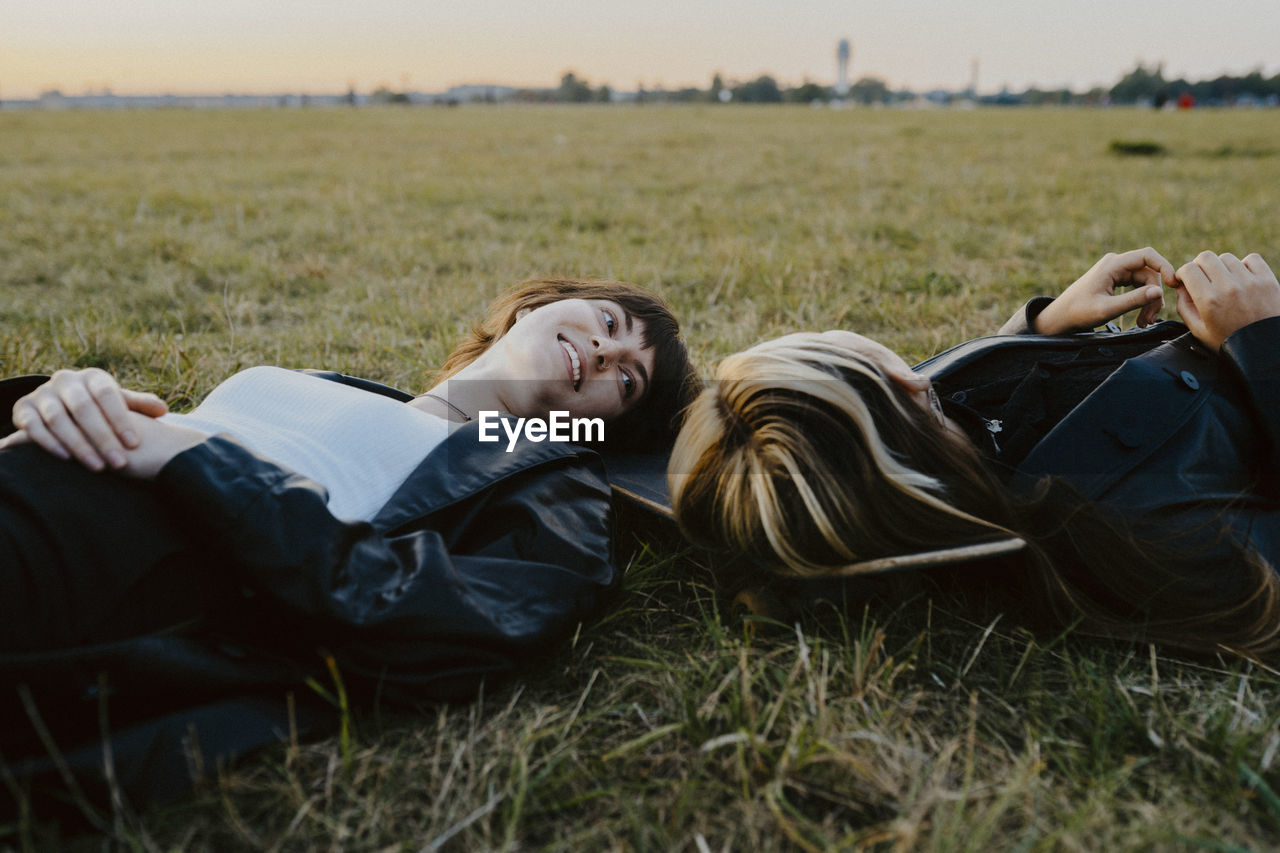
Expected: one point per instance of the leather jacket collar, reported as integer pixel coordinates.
(460, 467)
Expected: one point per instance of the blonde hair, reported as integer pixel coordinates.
(804, 456)
(757, 447)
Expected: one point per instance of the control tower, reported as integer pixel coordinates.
(843, 53)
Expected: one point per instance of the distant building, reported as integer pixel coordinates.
(843, 54)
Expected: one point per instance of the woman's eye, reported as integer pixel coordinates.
(628, 384)
(609, 322)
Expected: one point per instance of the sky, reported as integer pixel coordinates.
(325, 46)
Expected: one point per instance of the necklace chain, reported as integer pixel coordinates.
(451, 406)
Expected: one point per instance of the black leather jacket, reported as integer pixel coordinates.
(1177, 436)
(480, 561)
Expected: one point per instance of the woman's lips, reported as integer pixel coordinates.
(574, 361)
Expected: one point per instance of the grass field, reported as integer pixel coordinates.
(174, 248)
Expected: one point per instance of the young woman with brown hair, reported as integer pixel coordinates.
(1130, 479)
(193, 556)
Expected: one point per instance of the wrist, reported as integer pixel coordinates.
(1259, 336)
(1034, 313)
(160, 442)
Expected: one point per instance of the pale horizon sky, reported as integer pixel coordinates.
(322, 46)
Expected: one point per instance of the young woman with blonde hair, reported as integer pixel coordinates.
(1129, 479)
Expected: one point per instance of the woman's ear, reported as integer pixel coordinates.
(522, 313)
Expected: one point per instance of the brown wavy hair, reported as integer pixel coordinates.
(805, 457)
(652, 423)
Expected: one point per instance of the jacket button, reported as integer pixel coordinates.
(1189, 379)
(959, 396)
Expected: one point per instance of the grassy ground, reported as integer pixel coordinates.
(176, 247)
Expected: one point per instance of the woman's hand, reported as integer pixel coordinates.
(84, 414)
(1092, 299)
(157, 443)
(1221, 294)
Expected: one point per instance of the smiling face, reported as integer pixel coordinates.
(584, 356)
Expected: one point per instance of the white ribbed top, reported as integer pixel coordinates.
(359, 445)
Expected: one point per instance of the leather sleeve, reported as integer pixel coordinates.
(1254, 354)
(1023, 320)
(10, 390)
(431, 609)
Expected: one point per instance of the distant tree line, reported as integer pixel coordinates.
(572, 90)
(1149, 85)
(1141, 85)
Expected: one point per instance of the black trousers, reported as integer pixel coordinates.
(90, 557)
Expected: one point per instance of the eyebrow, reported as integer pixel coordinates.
(626, 315)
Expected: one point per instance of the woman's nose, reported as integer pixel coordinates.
(605, 351)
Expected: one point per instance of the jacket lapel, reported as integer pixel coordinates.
(1123, 421)
(462, 466)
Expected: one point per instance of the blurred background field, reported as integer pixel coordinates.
(175, 247)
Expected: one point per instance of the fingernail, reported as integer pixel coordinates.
(94, 463)
(130, 438)
(116, 458)
(1153, 292)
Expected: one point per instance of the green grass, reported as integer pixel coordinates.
(176, 247)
